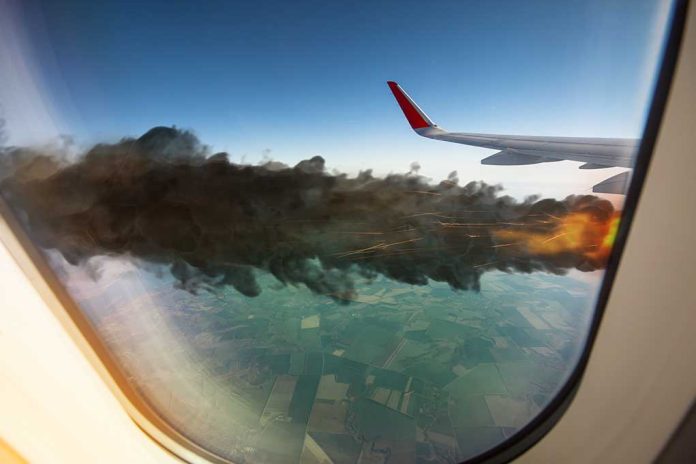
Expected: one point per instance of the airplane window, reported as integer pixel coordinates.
(329, 232)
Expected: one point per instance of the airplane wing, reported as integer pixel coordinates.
(595, 153)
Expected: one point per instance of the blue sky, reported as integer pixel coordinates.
(306, 78)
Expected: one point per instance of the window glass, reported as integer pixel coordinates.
(283, 269)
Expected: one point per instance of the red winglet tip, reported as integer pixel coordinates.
(412, 114)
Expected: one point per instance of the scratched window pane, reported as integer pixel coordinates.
(303, 229)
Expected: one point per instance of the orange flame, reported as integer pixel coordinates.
(580, 233)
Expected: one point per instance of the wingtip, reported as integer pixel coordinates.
(415, 116)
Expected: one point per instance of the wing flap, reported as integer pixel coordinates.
(593, 166)
(616, 184)
(512, 158)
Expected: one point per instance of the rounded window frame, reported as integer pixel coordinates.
(173, 441)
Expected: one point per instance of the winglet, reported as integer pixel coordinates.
(415, 116)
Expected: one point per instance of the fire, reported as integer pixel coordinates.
(580, 233)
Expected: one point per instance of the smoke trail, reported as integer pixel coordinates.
(163, 198)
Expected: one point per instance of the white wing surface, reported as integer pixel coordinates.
(595, 153)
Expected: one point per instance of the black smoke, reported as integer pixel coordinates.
(164, 198)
